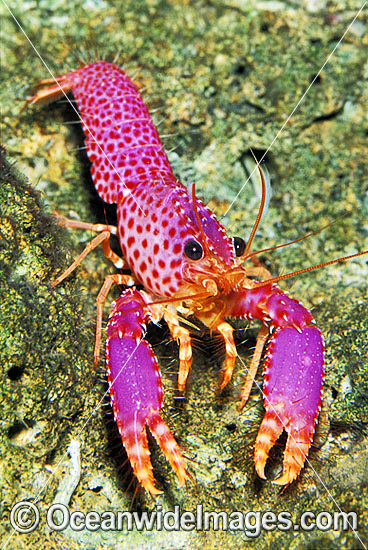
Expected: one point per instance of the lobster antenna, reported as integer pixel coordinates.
(260, 211)
(296, 240)
(310, 268)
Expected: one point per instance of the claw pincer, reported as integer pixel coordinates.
(293, 376)
(136, 389)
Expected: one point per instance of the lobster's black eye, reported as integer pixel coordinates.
(193, 250)
(239, 246)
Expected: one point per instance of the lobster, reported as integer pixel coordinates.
(175, 248)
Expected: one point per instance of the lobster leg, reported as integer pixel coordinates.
(104, 237)
(109, 281)
(226, 331)
(77, 224)
(252, 371)
(182, 336)
(136, 389)
(216, 322)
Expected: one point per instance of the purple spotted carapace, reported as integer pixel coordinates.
(181, 254)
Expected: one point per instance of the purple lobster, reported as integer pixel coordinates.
(174, 246)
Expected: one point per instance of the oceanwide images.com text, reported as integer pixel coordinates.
(25, 518)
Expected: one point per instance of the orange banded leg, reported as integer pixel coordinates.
(182, 336)
(103, 236)
(252, 371)
(118, 262)
(121, 279)
(101, 297)
(226, 331)
(105, 232)
(77, 224)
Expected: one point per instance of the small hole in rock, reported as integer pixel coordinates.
(231, 427)
(15, 373)
(20, 427)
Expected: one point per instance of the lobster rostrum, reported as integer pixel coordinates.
(175, 247)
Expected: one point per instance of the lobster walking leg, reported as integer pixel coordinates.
(136, 389)
(182, 336)
(105, 230)
(77, 224)
(103, 236)
(226, 331)
(252, 371)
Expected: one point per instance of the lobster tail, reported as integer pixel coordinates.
(122, 141)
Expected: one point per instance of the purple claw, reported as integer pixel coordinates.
(294, 368)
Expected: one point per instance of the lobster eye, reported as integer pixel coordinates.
(193, 250)
(239, 246)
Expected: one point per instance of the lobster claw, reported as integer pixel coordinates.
(136, 390)
(294, 368)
